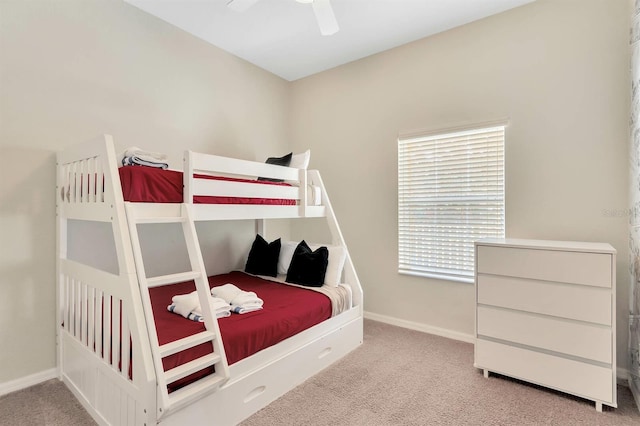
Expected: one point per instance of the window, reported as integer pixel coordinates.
(450, 193)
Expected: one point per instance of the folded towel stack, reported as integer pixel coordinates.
(188, 305)
(220, 307)
(241, 301)
(135, 156)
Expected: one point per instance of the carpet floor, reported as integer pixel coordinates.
(405, 377)
(397, 377)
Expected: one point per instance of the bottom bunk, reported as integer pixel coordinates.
(295, 334)
(258, 380)
(286, 311)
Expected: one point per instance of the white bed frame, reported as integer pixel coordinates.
(96, 309)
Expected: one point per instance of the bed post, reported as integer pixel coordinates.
(261, 227)
(187, 180)
(96, 306)
(303, 192)
(61, 248)
(350, 275)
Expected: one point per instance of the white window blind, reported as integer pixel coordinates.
(450, 193)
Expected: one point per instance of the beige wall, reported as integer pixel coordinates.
(557, 69)
(71, 70)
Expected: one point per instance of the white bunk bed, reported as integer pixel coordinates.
(108, 350)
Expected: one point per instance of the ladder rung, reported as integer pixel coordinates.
(172, 279)
(160, 219)
(195, 389)
(186, 343)
(191, 367)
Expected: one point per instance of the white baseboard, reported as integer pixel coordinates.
(622, 374)
(443, 332)
(25, 382)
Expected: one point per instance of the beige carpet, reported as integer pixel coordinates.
(397, 377)
(404, 377)
(47, 404)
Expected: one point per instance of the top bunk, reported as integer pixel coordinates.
(91, 183)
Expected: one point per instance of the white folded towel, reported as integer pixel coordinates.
(219, 306)
(246, 308)
(241, 301)
(135, 161)
(136, 156)
(134, 151)
(192, 316)
(185, 303)
(188, 305)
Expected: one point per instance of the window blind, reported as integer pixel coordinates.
(450, 193)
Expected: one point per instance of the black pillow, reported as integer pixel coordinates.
(308, 267)
(263, 257)
(278, 161)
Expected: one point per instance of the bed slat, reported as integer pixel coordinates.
(99, 323)
(115, 333)
(106, 323)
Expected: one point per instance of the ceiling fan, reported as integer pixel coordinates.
(321, 8)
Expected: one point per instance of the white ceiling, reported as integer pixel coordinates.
(282, 36)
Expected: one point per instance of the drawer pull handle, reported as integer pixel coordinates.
(325, 352)
(254, 393)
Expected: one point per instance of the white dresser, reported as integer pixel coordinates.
(545, 313)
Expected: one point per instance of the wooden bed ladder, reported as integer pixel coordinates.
(183, 396)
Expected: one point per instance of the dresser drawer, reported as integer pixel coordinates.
(592, 269)
(574, 338)
(582, 379)
(583, 303)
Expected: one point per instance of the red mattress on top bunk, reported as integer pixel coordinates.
(141, 184)
(287, 311)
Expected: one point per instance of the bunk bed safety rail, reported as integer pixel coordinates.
(100, 356)
(207, 163)
(85, 182)
(213, 165)
(98, 321)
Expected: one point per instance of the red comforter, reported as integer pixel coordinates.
(141, 184)
(286, 311)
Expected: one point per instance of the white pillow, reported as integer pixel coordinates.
(300, 161)
(337, 257)
(287, 248)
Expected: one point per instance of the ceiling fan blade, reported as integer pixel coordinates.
(325, 17)
(241, 5)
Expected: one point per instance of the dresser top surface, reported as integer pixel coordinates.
(548, 245)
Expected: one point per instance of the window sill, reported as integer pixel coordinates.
(467, 280)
